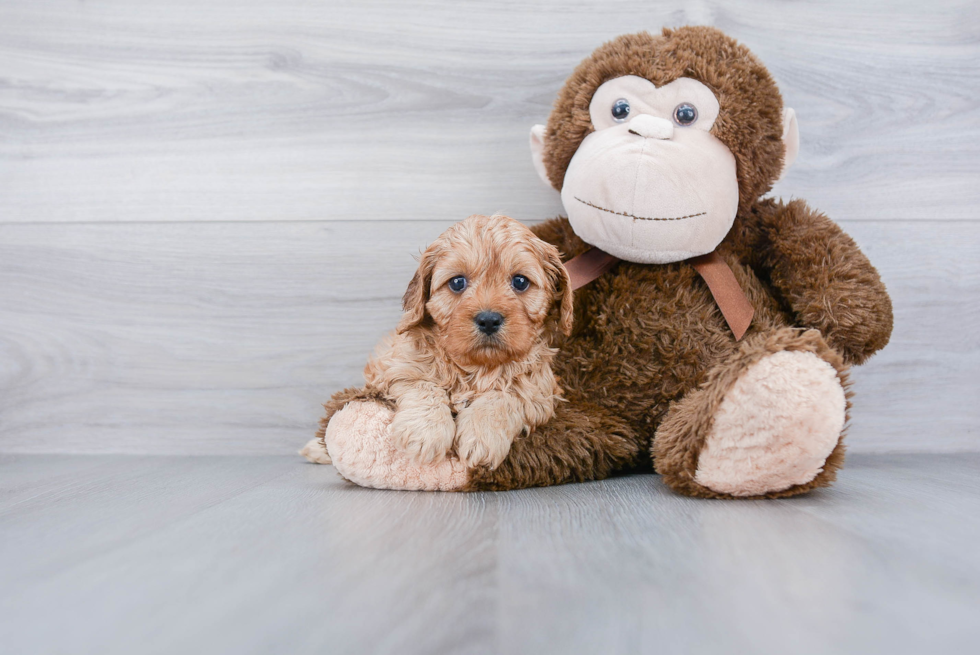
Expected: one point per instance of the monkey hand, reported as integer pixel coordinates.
(827, 281)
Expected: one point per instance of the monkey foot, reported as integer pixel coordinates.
(359, 441)
(775, 427)
(768, 422)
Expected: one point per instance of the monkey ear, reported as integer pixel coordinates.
(417, 294)
(537, 152)
(791, 140)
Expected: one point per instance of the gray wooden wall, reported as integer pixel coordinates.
(208, 209)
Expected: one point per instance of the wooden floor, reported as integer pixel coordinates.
(141, 554)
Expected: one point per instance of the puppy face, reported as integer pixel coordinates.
(491, 290)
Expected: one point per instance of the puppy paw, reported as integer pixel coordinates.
(425, 434)
(484, 434)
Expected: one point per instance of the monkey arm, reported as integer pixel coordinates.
(823, 276)
(581, 442)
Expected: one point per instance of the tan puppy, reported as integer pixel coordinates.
(470, 362)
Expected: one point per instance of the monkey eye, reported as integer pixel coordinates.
(520, 283)
(457, 284)
(685, 114)
(621, 110)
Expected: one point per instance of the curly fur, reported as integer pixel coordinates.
(454, 387)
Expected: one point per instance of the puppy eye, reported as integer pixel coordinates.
(520, 283)
(457, 284)
(685, 114)
(621, 110)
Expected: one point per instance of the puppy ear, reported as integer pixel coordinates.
(417, 293)
(562, 314)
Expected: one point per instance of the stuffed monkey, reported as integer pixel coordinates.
(715, 343)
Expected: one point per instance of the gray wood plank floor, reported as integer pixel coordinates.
(127, 554)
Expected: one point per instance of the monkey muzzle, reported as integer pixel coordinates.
(649, 193)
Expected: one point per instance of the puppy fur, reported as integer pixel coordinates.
(454, 386)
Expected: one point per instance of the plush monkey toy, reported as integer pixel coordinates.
(715, 344)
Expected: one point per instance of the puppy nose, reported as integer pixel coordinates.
(651, 127)
(488, 322)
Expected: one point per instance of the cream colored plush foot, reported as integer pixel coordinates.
(314, 452)
(360, 445)
(775, 427)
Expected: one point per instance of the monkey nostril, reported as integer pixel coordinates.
(488, 322)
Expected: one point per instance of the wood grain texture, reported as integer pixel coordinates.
(217, 338)
(268, 554)
(210, 110)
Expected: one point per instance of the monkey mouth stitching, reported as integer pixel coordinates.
(638, 218)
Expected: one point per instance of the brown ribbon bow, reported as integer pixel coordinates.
(735, 307)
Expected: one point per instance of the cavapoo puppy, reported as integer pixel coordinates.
(469, 365)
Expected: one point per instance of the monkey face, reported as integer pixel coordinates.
(651, 127)
(651, 184)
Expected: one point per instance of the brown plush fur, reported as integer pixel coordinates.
(650, 357)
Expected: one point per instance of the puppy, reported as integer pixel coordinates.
(469, 365)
